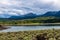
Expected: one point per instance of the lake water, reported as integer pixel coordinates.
(28, 28)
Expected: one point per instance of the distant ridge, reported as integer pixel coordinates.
(52, 13)
(32, 15)
(26, 16)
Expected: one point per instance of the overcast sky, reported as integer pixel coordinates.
(21, 7)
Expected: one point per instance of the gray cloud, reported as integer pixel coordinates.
(21, 7)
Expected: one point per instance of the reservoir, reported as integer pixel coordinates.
(28, 28)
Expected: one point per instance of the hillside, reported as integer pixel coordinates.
(51, 13)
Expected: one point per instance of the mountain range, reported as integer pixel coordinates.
(52, 13)
(32, 15)
(26, 16)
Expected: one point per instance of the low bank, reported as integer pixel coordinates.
(34, 24)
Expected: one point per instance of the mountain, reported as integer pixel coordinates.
(32, 15)
(51, 13)
(58, 14)
(26, 16)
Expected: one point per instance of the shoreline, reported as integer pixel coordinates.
(33, 24)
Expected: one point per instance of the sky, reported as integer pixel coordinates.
(20, 7)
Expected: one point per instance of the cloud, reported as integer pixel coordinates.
(21, 7)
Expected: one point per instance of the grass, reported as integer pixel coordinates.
(31, 35)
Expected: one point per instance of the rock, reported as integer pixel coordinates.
(2, 27)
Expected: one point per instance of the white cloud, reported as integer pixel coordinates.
(21, 7)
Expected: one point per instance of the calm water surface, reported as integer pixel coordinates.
(28, 28)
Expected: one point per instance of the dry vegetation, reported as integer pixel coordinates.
(32, 35)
